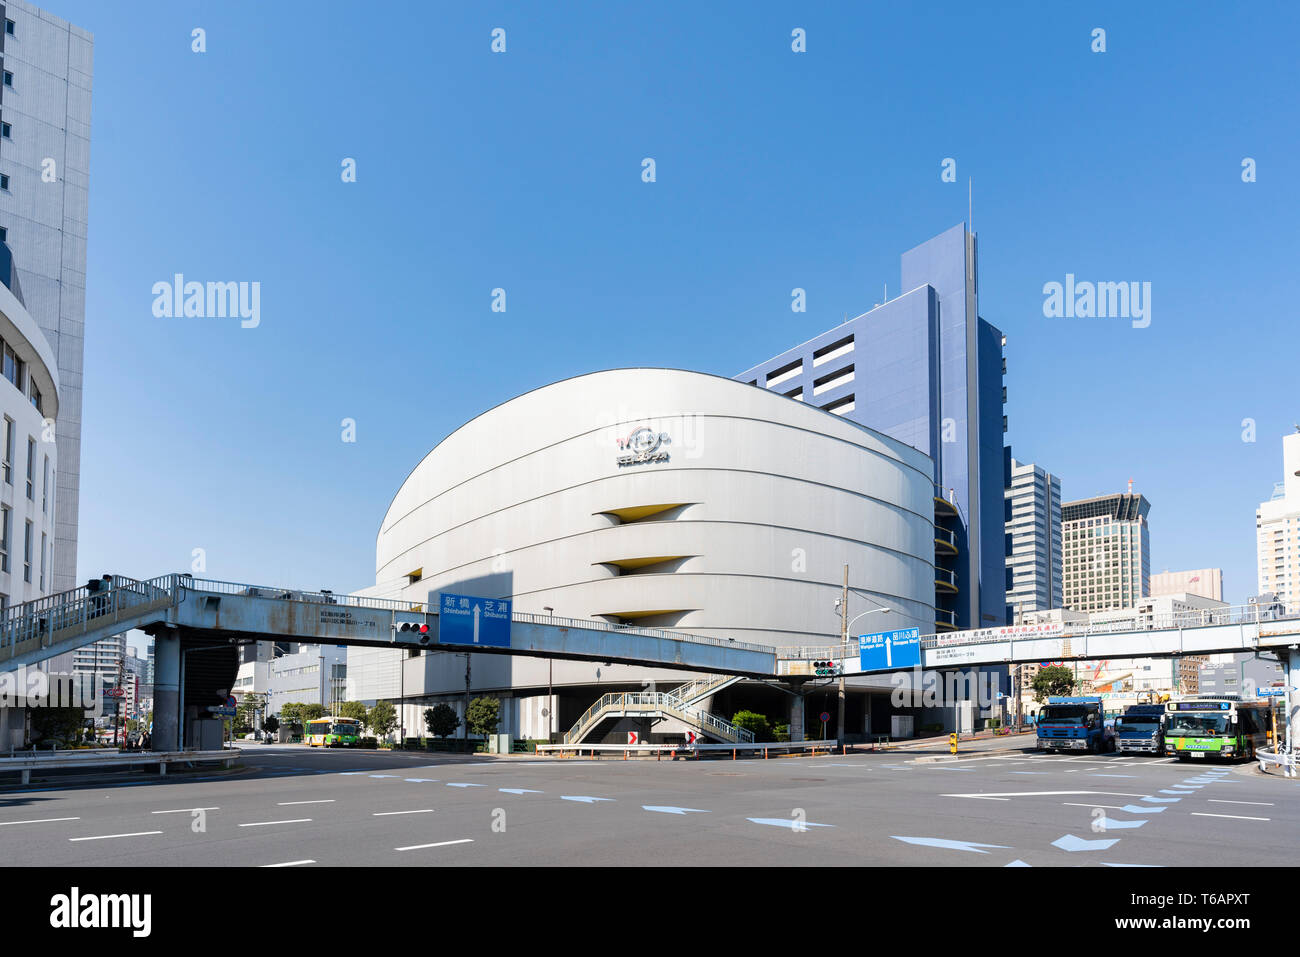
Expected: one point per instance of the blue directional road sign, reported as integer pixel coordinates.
(466, 620)
(890, 650)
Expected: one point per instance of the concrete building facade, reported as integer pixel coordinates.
(1033, 525)
(925, 369)
(44, 204)
(1277, 531)
(1206, 582)
(1106, 552)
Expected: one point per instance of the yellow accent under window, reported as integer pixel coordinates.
(641, 562)
(632, 615)
(635, 513)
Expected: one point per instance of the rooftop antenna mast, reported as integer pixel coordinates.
(1130, 486)
(970, 204)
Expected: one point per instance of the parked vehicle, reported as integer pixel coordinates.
(1074, 724)
(1140, 729)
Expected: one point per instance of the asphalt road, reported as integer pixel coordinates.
(291, 806)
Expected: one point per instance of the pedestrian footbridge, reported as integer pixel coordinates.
(198, 623)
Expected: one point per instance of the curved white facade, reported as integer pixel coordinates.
(29, 403)
(736, 523)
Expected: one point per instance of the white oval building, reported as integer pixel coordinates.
(29, 405)
(658, 497)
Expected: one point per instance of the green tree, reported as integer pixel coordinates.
(291, 715)
(352, 709)
(56, 725)
(313, 711)
(441, 720)
(272, 723)
(755, 722)
(382, 718)
(483, 716)
(1053, 680)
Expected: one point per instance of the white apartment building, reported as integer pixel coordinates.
(1033, 522)
(1277, 530)
(1106, 552)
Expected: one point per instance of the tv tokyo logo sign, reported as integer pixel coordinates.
(643, 445)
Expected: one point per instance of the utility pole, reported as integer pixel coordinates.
(844, 644)
(464, 734)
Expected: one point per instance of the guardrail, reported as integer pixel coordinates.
(688, 749)
(61, 760)
(1287, 761)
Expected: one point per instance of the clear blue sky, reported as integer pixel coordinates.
(775, 170)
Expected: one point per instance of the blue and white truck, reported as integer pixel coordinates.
(1140, 729)
(1074, 724)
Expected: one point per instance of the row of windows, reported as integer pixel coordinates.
(15, 370)
(7, 466)
(6, 539)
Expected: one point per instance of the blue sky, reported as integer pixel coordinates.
(775, 170)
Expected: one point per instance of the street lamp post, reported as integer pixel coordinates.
(845, 624)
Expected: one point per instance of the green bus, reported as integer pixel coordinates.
(331, 732)
(1216, 726)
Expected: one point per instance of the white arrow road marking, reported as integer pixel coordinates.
(785, 822)
(421, 780)
(519, 791)
(672, 810)
(583, 798)
(1134, 809)
(418, 847)
(947, 844)
(453, 784)
(1155, 800)
(1180, 793)
(1018, 863)
(1070, 842)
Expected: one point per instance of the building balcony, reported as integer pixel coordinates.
(945, 541)
(945, 580)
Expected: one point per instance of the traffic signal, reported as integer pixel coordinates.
(416, 629)
(825, 668)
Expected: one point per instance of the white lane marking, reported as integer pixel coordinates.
(422, 780)
(1236, 817)
(105, 837)
(1011, 794)
(297, 820)
(583, 798)
(1258, 803)
(291, 803)
(1108, 807)
(289, 864)
(455, 784)
(418, 847)
(186, 810)
(41, 820)
(1096, 775)
(385, 775)
(424, 810)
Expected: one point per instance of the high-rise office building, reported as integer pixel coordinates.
(925, 369)
(1106, 555)
(1206, 582)
(1033, 522)
(1277, 530)
(44, 183)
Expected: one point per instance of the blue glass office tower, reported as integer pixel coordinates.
(924, 368)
